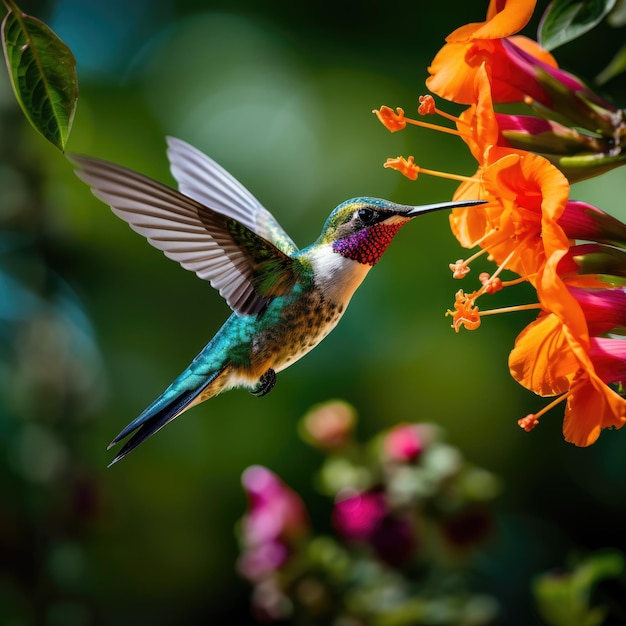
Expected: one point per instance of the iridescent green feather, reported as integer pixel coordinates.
(275, 272)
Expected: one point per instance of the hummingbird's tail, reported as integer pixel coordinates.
(181, 395)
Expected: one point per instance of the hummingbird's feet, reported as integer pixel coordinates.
(266, 384)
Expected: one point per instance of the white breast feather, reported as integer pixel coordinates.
(337, 276)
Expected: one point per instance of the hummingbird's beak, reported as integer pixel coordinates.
(428, 208)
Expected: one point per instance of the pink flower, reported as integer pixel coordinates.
(366, 518)
(404, 443)
(604, 309)
(276, 518)
(609, 358)
(581, 220)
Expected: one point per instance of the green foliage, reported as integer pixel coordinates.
(616, 66)
(564, 599)
(617, 17)
(565, 20)
(43, 75)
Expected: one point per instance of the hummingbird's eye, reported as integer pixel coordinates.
(367, 216)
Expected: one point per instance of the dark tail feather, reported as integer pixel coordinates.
(162, 411)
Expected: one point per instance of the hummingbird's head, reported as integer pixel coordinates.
(362, 228)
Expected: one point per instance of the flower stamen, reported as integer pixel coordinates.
(529, 422)
(427, 107)
(487, 283)
(486, 236)
(491, 285)
(394, 121)
(461, 268)
(459, 177)
(516, 281)
(443, 129)
(410, 169)
(466, 314)
(512, 309)
(501, 266)
(532, 419)
(406, 167)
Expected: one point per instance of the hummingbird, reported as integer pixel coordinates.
(284, 300)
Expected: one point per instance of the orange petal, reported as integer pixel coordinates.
(591, 407)
(469, 227)
(451, 76)
(504, 18)
(477, 124)
(541, 359)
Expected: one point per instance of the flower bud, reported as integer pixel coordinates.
(404, 443)
(604, 309)
(536, 134)
(592, 258)
(328, 425)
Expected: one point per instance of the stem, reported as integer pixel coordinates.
(458, 177)
(443, 129)
(11, 6)
(509, 309)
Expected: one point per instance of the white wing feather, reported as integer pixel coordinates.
(186, 231)
(204, 180)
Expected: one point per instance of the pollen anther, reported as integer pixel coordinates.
(459, 269)
(532, 419)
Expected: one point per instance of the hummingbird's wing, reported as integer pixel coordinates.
(202, 179)
(245, 268)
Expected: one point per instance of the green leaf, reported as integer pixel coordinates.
(565, 20)
(616, 66)
(564, 599)
(617, 17)
(43, 74)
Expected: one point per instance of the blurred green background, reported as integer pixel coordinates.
(95, 323)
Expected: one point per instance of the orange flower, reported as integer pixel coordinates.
(528, 224)
(550, 358)
(454, 67)
(515, 183)
(553, 354)
(525, 195)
